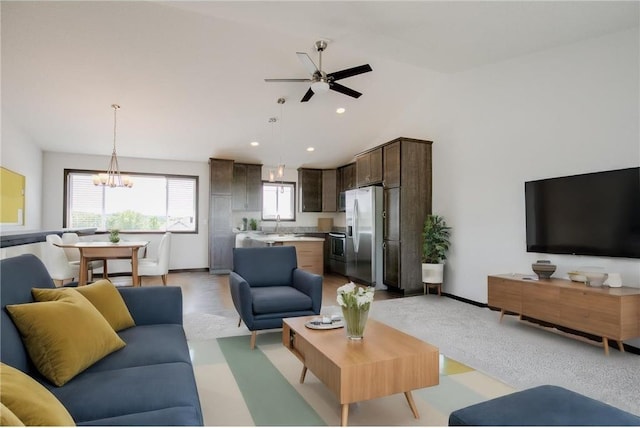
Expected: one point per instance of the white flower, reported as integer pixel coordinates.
(351, 296)
(347, 288)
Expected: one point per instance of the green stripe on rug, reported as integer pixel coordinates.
(268, 395)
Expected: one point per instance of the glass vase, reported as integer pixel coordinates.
(355, 320)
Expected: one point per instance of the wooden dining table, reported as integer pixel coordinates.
(97, 250)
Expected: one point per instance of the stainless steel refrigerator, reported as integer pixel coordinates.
(364, 235)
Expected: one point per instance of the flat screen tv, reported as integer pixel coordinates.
(596, 214)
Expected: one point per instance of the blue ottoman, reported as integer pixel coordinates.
(542, 406)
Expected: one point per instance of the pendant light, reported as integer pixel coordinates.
(112, 177)
(280, 170)
(272, 173)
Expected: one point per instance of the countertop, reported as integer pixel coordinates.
(284, 238)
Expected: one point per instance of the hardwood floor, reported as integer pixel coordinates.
(206, 293)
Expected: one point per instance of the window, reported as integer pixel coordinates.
(278, 199)
(155, 203)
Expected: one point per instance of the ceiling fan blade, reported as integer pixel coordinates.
(307, 62)
(344, 90)
(354, 71)
(307, 96)
(287, 80)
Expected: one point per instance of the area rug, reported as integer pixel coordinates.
(243, 387)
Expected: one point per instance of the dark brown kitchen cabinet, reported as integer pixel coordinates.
(310, 183)
(391, 264)
(247, 187)
(221, 237)
(369, 168)
(221, 176)
(346, 177)
(391, 214)
(391, 165)
(406, 203)
(329, 190)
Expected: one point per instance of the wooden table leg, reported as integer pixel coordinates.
(605, 345)
(84, 268)
(345, 415)
(105, 272)
(412, 404)
(303, 374)
(134, 267)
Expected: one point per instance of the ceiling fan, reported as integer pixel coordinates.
(321, 81)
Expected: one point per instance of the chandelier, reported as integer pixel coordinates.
(112, 177)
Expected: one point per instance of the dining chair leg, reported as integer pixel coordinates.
(239, 321)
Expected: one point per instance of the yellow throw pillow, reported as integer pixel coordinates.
(106, 298)
(8, 418)
(29, 402)
(64, 336)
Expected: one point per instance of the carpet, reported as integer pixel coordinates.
(241, 387)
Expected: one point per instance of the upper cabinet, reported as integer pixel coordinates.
(329, 190)
(346, 177)
(221, 176)
(369, 168)
(310, 183)
(247, 187)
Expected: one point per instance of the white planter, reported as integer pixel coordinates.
(432, 273)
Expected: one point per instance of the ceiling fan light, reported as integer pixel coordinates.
(319, 87)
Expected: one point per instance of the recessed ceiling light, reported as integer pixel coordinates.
(254, 143)
(310, 149)
(340, 110)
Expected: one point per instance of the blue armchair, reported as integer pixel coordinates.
(266, 286)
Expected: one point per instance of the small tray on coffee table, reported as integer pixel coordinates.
(317, 324)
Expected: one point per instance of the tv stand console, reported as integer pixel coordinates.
(611, 313)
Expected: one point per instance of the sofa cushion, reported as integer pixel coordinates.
(63, 336)
(173, 416)
(29, 401)
(267, 300)
(130, 391)
(8, 418)
(105, 297)
(147, 344)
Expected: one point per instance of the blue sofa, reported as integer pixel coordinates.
(148, 382)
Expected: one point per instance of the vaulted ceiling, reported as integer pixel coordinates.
(189, 76)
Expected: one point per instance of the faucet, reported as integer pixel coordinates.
(277, 223)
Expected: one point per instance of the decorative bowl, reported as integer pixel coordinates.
(595, 279)
(577, 276)
(543, 270)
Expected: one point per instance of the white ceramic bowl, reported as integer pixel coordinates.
(595, 279)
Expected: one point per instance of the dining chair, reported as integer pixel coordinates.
(55, 259)
(159, 265)
(73, 254)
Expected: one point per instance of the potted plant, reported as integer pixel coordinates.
(434, 248)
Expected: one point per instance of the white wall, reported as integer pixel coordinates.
(188, 251)
(573, 109)
(19, 154)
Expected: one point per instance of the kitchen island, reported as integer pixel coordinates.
(309, 250)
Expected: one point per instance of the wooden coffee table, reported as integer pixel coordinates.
(386, 361)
